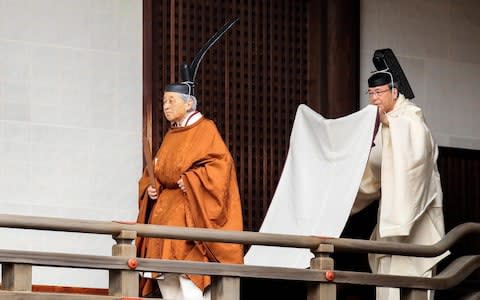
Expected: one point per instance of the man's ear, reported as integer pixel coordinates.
(189, 104)
(395, 93)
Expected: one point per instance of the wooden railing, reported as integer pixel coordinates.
(123, 266)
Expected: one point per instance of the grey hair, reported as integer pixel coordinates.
(186, 97)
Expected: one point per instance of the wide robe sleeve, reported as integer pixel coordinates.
(406, 172)
(143, 183)
(368, 191)
(144, 205)
(212, 195)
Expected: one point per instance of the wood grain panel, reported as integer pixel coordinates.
(460, 176)
(69, 290)
(250, 83)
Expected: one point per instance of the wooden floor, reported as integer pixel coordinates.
(69, 290)
(281, 289)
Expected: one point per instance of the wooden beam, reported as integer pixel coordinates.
(157, 265)
(147, 72)
(317, 53)
(451, 276)
(333, 59)
(69, 290)
(124, 282)
(413, 294)
(322, 261)
(16, 277)
(226, 288)
(241, 237)
(10, 295)
(472, 296)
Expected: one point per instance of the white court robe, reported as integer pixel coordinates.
(402, 172)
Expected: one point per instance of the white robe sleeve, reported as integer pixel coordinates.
(368, 192)
(407, 167)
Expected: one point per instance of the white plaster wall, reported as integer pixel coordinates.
(437, 42)
(70, 122)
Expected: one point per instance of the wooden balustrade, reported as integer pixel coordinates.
(124, 282)
(123, 266)
(241, 237)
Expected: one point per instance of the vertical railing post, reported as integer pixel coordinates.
(225, 288)
(17, 277)
(413, 294)
(323, 261)
(124, 282)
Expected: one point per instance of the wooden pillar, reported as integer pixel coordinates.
(225, 288)
(322, 261)
(150, 124)
(413, 294)
(121, 282)
(334, 57)
(16, 277)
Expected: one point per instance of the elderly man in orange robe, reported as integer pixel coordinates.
(196, 186)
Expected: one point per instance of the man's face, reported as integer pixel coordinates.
(383, 97)
(174, 108)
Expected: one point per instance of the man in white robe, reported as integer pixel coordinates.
(402, 173)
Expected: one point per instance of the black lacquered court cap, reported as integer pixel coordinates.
(379, 79)
(385, 60)
(181, 87)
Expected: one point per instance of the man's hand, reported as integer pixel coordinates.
(383, 116)
(152, 192)
(181, 185)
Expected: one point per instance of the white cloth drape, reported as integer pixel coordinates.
(319, 182)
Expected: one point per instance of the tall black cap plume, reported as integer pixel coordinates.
(386, 63)
(189, 72)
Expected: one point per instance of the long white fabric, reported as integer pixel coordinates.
(319, 182)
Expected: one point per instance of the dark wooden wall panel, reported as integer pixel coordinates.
(251, 82)
(460, 176)
(333, 60)
(280, 54)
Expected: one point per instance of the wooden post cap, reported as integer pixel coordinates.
(329, 275)
(132, 263)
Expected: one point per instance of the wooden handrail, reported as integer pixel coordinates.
(159, 231)
(451, 276)
(10, 295)
(55, 259)
(241, 237)
(364, 246)
(123, 265)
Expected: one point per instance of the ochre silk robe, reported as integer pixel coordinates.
(198, 154)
